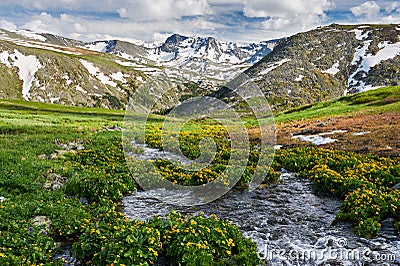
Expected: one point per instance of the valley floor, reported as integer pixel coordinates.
(63, 176)
(362, 133)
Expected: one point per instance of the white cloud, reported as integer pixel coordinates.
(368, 9)
(123, 13)
(285, 17)
(154, 20)
(88, 29)
(7, 25)
(43, 23)
(163, 9)
(277, 23)
(391, 20)
(133, 9)
(160, 37)
(285, 8)
(394, 7)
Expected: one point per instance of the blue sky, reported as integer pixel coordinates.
(154, 20)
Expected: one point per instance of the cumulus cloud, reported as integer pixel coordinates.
(160, 37)
(88, 29)
(394, 7)
(391, 20)
(368, 9)
(370, 12)
(133, 9)
(285, 8)
(163, 9)
(154, 20)
(7, 25)
(287, 16)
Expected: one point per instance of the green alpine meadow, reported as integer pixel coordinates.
(199, 133)
(63, 176)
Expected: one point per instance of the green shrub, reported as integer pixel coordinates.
(362, 181)
(368, 228)
(198, 240)
(25, 244)
(113, 239)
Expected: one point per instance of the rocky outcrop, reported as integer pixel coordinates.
(328, 62)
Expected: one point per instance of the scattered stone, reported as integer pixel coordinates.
(331, 243)
(65, 148)
(332, 262)
(42, 220)
(113, 128)
(43, 157)
(377, 247)
(66, 255)
(361, 133)
(397, 186)
(305, 132)
(54, 181)
(84, 201)
(352, 246)
(72, 146)
(323, 124)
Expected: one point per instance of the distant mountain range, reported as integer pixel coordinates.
(308, 67)
(326, 63)
(200, 59)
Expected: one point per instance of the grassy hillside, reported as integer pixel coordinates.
(381, 100)
(65, 165)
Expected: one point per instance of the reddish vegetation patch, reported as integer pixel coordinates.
(383, 138)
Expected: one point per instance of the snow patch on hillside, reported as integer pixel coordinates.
(4, 58)
(67, 79)
(274, 65)
(125, 63)
(360, 34)
(333, 70)
(95, 71)
(163, 57)
(27, 66)
(79, 88)
(367, 61)
(125, 56)
(30, 35)
(40, 45)
(299, 78)
(54, 99)
(386, 51)
(97, 46)
(360, 52)
(119, 76)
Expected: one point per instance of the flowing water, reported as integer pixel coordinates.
(290, 223)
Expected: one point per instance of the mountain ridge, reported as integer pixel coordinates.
(308, 67)
(328, 62)
(198, 56)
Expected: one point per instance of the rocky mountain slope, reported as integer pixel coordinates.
(34, 69)
(194, 58)
(308, 67)
(50, 68)
(328, 62)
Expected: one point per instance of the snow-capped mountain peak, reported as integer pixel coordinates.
(178, 47)
(192, 58)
